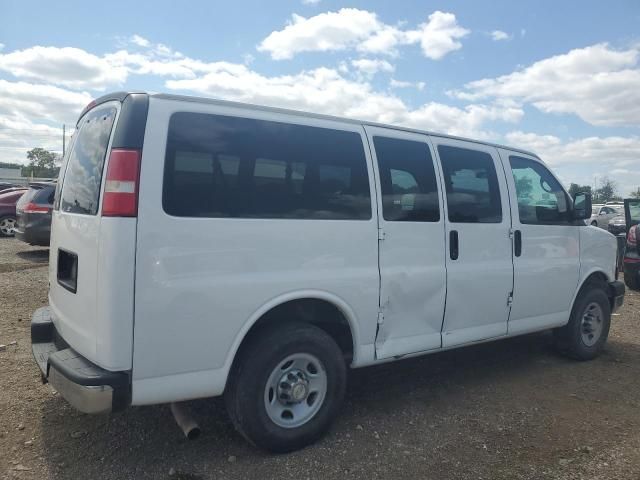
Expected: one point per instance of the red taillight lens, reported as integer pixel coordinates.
(632, 239)
(121, 185)
(33, 208)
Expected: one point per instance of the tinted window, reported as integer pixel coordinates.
(541, 198)
(219, 166)
(408, 180)
(473, 194)
(81, 188)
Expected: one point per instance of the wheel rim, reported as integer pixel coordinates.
(7, 226)
(295, 390)
(591, 325)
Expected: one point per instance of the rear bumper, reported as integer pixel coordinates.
(84, 385)
(616, 294)
(36, 232)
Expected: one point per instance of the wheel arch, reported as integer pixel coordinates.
(267, 314)
(594, 275)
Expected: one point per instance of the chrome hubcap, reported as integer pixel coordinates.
(7, 225)
(591, 326)
(295, 390)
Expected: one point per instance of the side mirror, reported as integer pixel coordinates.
(581, 206)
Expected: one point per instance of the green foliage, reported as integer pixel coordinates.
(42, 163)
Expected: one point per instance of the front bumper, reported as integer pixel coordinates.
(84, 385)
(616, 294)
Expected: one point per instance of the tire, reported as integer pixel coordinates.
(594, 224)
(586, 333)
(256, 394)
(7, 223)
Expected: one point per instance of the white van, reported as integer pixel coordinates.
(203, 248)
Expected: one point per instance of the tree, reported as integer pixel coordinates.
(607, 191)
(42, 163)
(635, 193)
(575, 188)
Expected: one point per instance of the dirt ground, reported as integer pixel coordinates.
(508, 409)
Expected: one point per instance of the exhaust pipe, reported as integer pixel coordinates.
(185, 421)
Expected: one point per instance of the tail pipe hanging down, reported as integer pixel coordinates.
(185, 420)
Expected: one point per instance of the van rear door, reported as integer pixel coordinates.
(91, 264)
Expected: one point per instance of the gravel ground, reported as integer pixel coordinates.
(509, 409)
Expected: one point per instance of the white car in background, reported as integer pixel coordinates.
(601, 214)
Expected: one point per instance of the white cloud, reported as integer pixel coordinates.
(323, 32)
(67, 66)
(498, 35)
(140, 41)
(596, 83)
(393, 83)
(351, 28)
(580, 160)
(45, 102)
(369, 67)
(439, 36)
(2, 46)
(310, 2)
(613, 151)
(325, 90)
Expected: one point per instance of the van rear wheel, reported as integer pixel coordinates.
(586, 333)
(286, 387)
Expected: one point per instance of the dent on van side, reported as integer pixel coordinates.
(203, 248)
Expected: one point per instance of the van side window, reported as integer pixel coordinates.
(473, 193)
(220, 166)
(408, 180)
(541, 198)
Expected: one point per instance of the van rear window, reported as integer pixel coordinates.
(83, 176)
(219, 166)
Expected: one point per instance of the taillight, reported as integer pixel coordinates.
(121, 185)
(632, 239)
(34, 208)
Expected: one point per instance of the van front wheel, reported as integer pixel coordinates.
(286, 387)
(586, 333)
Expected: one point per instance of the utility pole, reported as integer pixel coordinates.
(64, 138)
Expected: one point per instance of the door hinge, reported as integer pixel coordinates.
(510, 299)
(380, 317)
(511, 232)
(381, 234)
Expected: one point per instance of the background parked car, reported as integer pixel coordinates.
(33, 211)
(5, 185)
(617, 224)
(8, 200)
(601, 215)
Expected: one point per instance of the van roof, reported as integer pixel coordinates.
(120, 96)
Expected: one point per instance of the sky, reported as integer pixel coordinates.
(559, 78)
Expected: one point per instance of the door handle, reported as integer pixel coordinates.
(453, 245)
(517, 243)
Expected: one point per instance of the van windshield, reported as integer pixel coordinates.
(81, 187)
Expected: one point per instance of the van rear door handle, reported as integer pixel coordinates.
(453, 245)
(517, 243)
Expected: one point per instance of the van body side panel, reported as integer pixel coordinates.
(412, 249)
(200, 281)
(547, 271)
(480, 270)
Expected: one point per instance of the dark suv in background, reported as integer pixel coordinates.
(33, 211)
